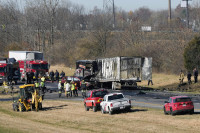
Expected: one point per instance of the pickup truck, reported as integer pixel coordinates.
(94, 98)
(114, 102)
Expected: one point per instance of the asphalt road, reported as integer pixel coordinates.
(142, 98)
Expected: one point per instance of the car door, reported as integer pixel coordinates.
(103, 103)
(168, 105)
(88, 99)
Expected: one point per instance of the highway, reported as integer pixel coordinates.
(142, 98)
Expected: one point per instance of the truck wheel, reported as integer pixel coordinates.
(94, 108)
(102, 111)
(171, 112)
(86, 108)
(165, 111)
(110, 111)
(192, 111)
(21, 107)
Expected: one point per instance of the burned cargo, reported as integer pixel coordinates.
(117, 71)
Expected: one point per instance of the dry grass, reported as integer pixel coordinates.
(68, 116)
(68, 71)
(160, 80)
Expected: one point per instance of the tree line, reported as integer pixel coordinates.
(66, 32)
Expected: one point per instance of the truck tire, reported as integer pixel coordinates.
(102, 111)
(86, 108)
(171, 112)
(110, 111)
(22, 107)
(165, 111)
(94, 108)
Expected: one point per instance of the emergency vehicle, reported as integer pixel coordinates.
(9, 70)
(30, 61)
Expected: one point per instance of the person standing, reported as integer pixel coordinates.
(67, 89)
(73, 88)
(196, 73)
(31, 77)
(52, 76)
(189, 75)
(181, 77)
(59, 89)
(62, 74)
(37, 85)
(36, 75)
(42, 86)
(76, 89)
(57, 75)
(28, 78)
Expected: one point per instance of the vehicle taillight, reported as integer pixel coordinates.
(130, 101)
(111, 105)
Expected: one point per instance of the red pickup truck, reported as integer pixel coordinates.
(94, 98)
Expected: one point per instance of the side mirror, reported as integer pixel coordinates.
(166, 102)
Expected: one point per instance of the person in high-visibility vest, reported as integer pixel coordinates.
(76, 89)
(73, 88)
(37, 85)
(42, 86)
(43, 79)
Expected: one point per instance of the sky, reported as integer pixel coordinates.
(128, 5)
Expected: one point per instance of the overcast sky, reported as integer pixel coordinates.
(126, 5)
(130, 4)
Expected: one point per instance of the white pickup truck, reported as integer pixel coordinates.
(113, 102)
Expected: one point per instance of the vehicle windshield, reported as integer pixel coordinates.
(183, 99)
(35, 66)
(99, 94)
(2, 69)
(113, 97)
(44, 66)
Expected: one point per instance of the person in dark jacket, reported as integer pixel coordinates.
(52, 76)
(62, 74)
(189, 75)
(196, 73)
(57, 75)
(31, 77)
(36, 75)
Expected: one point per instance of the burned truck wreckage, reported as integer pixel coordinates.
(115, 72)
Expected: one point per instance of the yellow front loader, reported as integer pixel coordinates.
(29, 99)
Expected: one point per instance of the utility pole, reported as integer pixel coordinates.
(114, 21)
(187, 12)
(169, 12)
(109, 5)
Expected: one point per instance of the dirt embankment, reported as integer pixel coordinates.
(69, 116)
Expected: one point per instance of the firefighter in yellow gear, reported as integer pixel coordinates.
(42, 86)
(37, 85)
(73, 88)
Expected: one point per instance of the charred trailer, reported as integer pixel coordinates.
(85, 68)
(118, 72)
